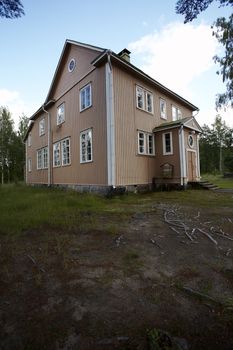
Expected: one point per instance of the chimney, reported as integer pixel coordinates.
(125, 54)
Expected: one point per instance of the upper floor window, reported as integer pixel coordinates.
(86, 146)
(176, 113)
(42, 127)
(167, 143)
(146, 144)
(65, 145)
(29, 165)
(144, 99)
(42, 158)
(163, 109)
(29, 139)
(61, 114)
(85, 97)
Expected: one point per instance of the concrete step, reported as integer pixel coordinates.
(208, 185)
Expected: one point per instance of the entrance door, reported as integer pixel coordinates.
(192, 166)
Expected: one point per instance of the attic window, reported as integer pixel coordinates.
(71, 65)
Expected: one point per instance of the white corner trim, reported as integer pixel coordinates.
(111, 156)
(183, 170)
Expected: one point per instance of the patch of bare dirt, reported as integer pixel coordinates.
(101, 289)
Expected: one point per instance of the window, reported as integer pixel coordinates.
(71, 65)
(29, 139)
(57, 154)
(85, 97)
(146, 144)
(190, 141)
(167, 143)
(163, 109)
(61, 114)
(29, 165)
(42, 158)
(176, 113)
(42, 127)
(86, 146)
(65, 146)
(144, 99)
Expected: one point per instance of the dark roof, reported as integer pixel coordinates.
(176, 124)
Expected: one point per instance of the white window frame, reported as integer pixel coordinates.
(61, 113)
(83, 94)
(29, 139)
(165, 152)
(176, 113)
(84, 147)
(144, 142)
(29, 165)
(163, 108)
(65, 152)
(42, 158)
(57, 154)
(143, 94)
(42, 127)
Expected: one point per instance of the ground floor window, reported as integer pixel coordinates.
(42, 158)
(29, 165)
(167, 143)
(61, 153)
(146, 143)
(86, 146)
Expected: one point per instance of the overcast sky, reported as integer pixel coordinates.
(175, 54)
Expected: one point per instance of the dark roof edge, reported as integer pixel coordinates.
(177, 124)
(102, 57)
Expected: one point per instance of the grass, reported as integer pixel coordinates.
(219, 180)
(24, 208)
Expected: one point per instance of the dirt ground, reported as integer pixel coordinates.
(108, 288)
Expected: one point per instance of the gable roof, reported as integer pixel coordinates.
(177, 123)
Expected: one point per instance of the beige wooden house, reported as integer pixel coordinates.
(106, 124)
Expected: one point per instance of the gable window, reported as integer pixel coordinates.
(85, 97)
(86, 146)
(42, 127)
(29, 139)
(146, 144)
(57, 154)
(144, 99)
(29, 165)
(163, 109)
(167, 143)
(65, 146)
(42, 158)
(176, 113)
(61, 114)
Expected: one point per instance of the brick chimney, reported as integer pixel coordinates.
(125, 54)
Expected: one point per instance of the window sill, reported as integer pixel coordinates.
(144, 110)
(84, 109)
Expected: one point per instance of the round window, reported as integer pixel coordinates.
(191, 141)
(71, 65)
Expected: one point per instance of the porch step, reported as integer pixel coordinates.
(208, 185)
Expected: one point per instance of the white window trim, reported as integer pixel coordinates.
(63, 117)
(59, 144)
(80, 99)
(163, 115)
(29, 165)
(82, 133)
(164, 144)
(146, 143)
(29, 139)
(145, 92)
(62, 154)
(42, 131)
(42, 152)
(178, 113)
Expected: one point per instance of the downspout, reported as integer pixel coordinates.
(49, 137)
(111, 164)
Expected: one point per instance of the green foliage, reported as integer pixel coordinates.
(11, 8)
(223, 31)
(216, 147)
(12, 152)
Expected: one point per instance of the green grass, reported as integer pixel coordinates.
(219, 180)
(24, 208)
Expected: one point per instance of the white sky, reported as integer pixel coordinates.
(177, 55)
